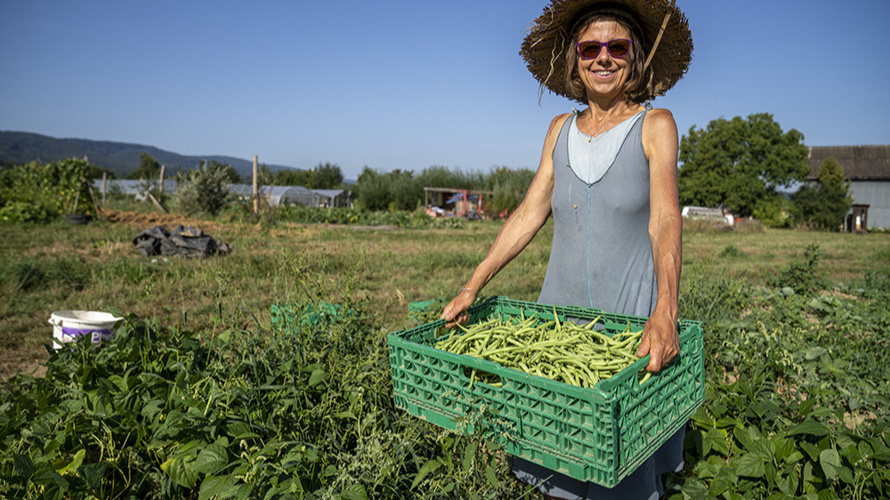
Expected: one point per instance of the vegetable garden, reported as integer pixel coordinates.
(211, 392)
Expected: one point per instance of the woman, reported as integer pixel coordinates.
(608, 175)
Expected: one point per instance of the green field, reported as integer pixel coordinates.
(95, 267)
(796, 328)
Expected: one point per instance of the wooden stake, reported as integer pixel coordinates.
(256, 200)
(93, 197)
(156, 203)
(76, 199)
(161, 186)
(104, 180)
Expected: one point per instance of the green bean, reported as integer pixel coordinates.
(558, 349)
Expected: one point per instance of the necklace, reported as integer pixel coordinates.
(600, 128)
(604, 125)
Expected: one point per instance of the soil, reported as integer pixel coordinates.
(147, 220)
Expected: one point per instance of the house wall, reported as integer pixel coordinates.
(876, 194)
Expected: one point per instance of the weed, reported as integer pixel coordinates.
(802, 277)
(732, 252)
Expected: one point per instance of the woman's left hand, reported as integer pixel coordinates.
(660, 340)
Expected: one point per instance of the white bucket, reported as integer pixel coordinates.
(68, 325)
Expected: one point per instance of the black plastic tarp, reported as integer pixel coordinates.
(185, 241)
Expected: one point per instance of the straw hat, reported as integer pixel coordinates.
(663, 27)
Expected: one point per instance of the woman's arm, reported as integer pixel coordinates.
(660, 337)
(517, 232)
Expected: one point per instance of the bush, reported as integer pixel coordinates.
(42, 192)
(774, 212)
(203, 190)
(509, 187)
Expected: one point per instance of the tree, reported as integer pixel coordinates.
(323, 176)
(264, 175)
(396, 190)
(149, 168)
(740, 163)
(509, 187)
(824, 203)
(96, 172)
(327, 176)
(227, 171)
(370, 190)
(291, 177)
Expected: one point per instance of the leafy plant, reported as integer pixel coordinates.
(802, 276)
(787, 414)
(774, 211)
(302, 409)
(202, 190)
(42, 192)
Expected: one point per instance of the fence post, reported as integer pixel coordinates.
(104, 180)
(256, 200)
(161, 187)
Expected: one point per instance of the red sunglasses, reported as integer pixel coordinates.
(590, 49)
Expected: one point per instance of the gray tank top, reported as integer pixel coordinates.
(601, 255)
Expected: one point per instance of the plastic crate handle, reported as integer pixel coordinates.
(474, 371)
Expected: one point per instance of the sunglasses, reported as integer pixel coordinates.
(590, 49)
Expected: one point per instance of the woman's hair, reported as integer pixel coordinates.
(635, 85)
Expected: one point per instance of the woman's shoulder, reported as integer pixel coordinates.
(557, 123)
(658, 115)
(558, 120)
(659, 120)
(660, 137)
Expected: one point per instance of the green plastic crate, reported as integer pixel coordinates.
(599, 434)
(295, 316)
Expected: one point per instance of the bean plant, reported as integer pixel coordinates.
(296, 402)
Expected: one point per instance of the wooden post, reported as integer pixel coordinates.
(161, 186)
(256, 200)
(104, 180)
(96, 205)
(76, 200)
(157, 204)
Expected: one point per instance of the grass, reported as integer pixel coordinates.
(95, 267)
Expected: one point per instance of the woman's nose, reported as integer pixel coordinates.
(604, 56)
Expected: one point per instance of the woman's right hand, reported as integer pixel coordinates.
(455, 313)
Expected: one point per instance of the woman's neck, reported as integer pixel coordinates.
(602, 115)
(602, 108)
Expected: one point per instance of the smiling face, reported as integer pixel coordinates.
(604, 76)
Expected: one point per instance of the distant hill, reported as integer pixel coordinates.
(121, 158)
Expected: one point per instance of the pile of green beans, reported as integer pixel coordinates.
(565, 351)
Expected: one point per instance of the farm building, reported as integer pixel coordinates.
(868, 169)
(454, 202)
(128, 187)
(277, 195)
(332, 198)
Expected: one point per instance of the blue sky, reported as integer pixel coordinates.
(400, 84)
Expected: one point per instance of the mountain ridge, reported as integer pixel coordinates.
(17, 148)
